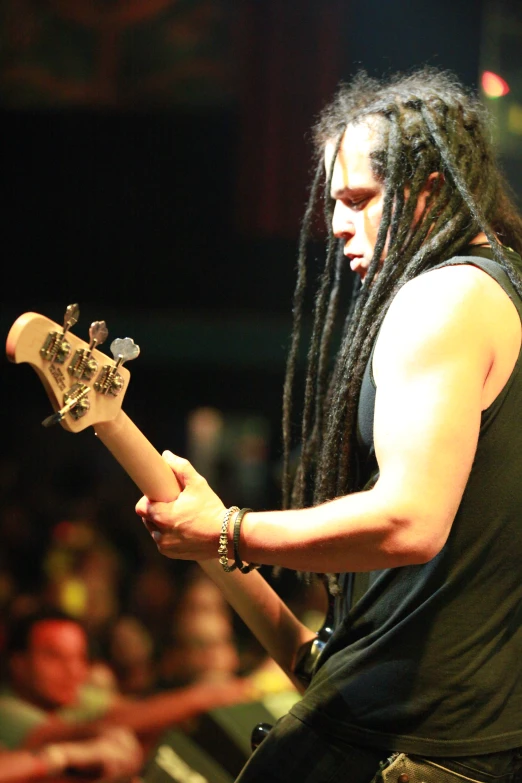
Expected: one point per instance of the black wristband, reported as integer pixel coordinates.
(245, 568)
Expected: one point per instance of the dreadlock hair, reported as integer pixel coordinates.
(425, 122)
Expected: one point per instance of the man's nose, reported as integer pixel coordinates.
(342, 222)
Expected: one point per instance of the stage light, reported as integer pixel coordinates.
(494, 86)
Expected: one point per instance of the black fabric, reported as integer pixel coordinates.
(428, 660)
(294, 751)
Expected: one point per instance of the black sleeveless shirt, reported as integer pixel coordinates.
(428, 658)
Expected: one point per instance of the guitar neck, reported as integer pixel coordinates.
(138, 458)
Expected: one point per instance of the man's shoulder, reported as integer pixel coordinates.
(447, 283)
(446, 297)
(17, 718)
(440, 298)
(9, 700)
(446, 314)
(443, 312)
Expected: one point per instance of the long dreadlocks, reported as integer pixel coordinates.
(426, 122)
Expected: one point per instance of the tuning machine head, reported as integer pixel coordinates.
(109, 381)
(124, 349)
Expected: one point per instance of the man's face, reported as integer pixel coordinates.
(358, 195)
(55, 666)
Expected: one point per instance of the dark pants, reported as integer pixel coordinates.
(295, 753)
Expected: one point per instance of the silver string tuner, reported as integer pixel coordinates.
(124, 349)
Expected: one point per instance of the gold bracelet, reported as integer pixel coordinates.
(223, 541)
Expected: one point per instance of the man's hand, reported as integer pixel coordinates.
(189, 527)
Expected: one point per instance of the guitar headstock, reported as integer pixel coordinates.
(84, 385)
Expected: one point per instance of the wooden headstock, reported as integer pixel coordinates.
(86, 388)
(84, 385)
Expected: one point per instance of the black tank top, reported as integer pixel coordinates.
(428, 658)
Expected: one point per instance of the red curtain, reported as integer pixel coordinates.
(292, 61)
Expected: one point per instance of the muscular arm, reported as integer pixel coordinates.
(440, 346)
(438, 351)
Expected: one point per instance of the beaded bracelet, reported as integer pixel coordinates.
(245, 568)
(223, 541)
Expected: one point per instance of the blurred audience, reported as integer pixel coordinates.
(152, 595)
(131, 657)
(202, 646)
(83, 573)
(131, 644)
(113, 756)
(49, 698)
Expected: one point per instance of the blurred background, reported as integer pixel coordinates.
(156, 160)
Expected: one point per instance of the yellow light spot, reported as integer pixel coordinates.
(73, 598)
(514, 122)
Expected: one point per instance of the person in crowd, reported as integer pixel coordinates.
(48, 698)
(131, 657)
(202, 646)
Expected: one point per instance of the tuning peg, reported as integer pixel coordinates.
(83, 364)
(98, 333)
(124, 349)
(109, 380)
(72, 313)
(76, 403)
(56, 348)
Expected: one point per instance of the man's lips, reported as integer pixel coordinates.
(358, 264)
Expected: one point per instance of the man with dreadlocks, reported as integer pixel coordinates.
(407, 490)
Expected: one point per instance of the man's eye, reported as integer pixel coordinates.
(359, 204)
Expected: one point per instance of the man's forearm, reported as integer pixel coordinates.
(364, 531)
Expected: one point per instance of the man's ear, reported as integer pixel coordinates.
(433, 184)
